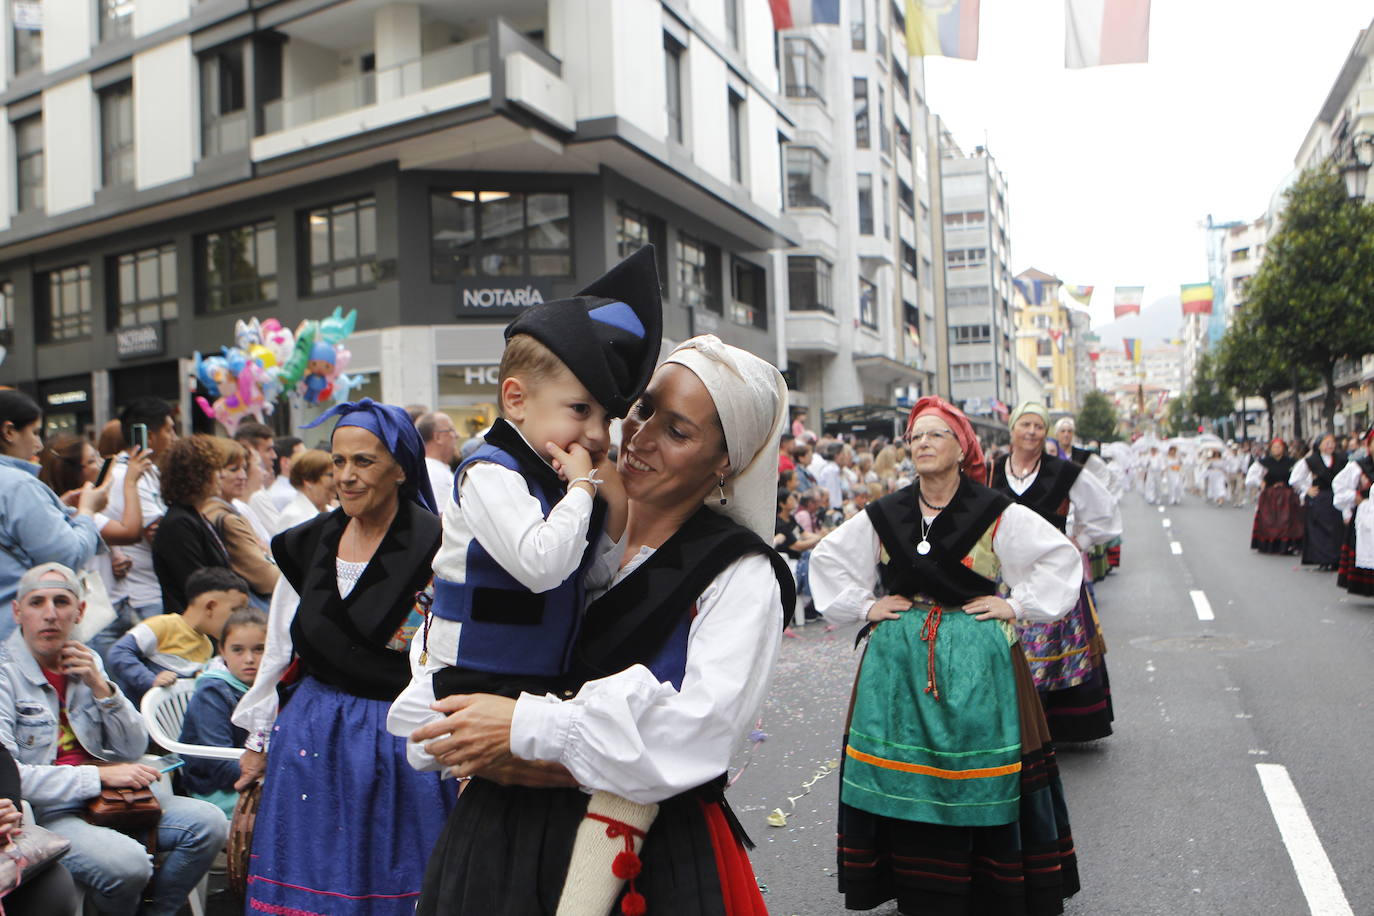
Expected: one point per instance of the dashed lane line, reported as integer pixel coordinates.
(1201, 605)
(1317, 878)
(1176, 548)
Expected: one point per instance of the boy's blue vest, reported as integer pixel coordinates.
(507, 629)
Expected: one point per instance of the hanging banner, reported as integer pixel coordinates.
(1127, 301)
(1083, 295)
(942, 28)
(1197, 298)
(1102, 32)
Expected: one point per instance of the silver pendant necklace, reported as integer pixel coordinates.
(923, 547)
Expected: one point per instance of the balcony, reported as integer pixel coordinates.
(812, 333)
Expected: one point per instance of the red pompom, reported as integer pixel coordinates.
(626, 866)
(633, 904)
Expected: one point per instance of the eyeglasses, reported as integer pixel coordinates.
(936, 436)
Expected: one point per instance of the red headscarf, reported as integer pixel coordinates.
(973, 464)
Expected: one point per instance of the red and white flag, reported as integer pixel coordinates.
(1101, 32)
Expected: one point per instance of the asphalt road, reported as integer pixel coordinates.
(1169, 814)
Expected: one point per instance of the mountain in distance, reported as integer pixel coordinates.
(1160, 321)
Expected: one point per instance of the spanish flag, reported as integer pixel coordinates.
(942, 28)
(1197, 298)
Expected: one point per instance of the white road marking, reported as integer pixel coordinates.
(1201, 605)
(1176, 547)
(1318, 879)
(1161, 508)
(1165, 522)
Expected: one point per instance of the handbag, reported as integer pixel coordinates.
(27, 854)
(100, 611)
(130, 811)
(240, 845)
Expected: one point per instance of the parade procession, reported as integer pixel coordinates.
(391, 392)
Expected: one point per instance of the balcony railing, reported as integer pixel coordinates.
(434, 69)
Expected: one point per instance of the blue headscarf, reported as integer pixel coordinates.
(394, 428)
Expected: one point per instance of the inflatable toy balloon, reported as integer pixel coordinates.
(342, 357)
(247, 333)
(319, 373)
(336, 327)
(278, 339)
(263, 355)
(344, 386)
(294, 369)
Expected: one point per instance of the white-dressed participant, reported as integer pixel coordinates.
(1350, 494)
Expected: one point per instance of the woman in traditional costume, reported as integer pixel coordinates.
(669, 671)
(1278, 524)
(1067, 656)
(1324, 528)
(950, 800)
(344, 824)
(1350, 496)
(1106, 556)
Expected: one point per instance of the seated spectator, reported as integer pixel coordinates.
(35, 527)
(186, 541)
(58, 711)
(218, 691)
(248, 556)
(163, 648)
(45, 892)
(312, 480)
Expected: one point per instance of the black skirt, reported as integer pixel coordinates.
(1350, 575)
(1278, 520)
(1325, 531)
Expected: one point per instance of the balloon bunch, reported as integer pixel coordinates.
(270, 360)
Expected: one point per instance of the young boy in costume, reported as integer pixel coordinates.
(526, 522)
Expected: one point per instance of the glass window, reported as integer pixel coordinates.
(732, 22)
(749, 294)
(858, 31)
(239, 266)
(698, 274)
(223, 115)
(342, 243)
(500, 234)
(868, 303)
(803, 69)
(909, 258)
(27, 16)
(117, 135)
(865, 204)
(861, 112)
(144, 286)
(672, 61)
(884, 135)
(899, 74)
(906, 198)
(116, 19)
(807, 178)
(1043, 347)
(28, 162)
(736, 127)
(808, 284)
(970, 333)
(64, 303)
(903, 140)
(887, 213)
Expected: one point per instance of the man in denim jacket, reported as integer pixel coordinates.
(72, 733)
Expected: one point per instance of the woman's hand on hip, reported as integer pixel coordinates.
(473, 735)
(888, 608)
(251, 767)
(990, 607)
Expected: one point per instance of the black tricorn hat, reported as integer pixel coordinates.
(609, 334)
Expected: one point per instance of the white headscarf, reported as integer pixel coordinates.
(751, 400)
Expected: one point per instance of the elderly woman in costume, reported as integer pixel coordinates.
(1278, 524)
(669, 669)
(950, 800)
(344, 823)
(1350, 496)
(1312, 479)
(1065, 434)
(1066, 656)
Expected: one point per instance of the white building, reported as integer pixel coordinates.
(178, 165)
(981, 362)
(861, 322)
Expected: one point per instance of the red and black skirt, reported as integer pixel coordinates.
(1350, 575)
(1278, 521)
(505, 852)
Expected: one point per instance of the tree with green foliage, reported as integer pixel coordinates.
(1250, 361)
(1313, 291)
(1209, 398)
(1097, 418)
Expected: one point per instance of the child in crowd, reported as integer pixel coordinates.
(518, 540)
(163, 648)
(218, 690)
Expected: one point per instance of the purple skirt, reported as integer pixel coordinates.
(345, 826)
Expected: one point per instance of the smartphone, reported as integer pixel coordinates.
(140, 436)
(104, 471)
(169, 762)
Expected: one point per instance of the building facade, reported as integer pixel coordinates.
(1049, 340)
(175, 166)
(861, 297)
(980, 368)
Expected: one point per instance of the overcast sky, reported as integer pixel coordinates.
(1112, 169)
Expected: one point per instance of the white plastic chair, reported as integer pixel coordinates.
(163, 710)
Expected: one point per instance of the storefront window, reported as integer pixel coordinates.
(500, 234)
(469, 395)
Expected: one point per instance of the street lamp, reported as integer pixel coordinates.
(1355, 165)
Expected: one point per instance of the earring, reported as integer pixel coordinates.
(722, 491)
